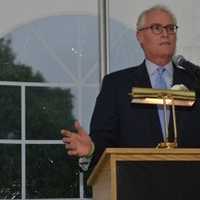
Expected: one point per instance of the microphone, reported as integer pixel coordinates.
(191, 68)
(179, 60)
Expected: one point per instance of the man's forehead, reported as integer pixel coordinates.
(158, 17)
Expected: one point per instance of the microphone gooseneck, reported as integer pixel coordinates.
(179, 60)
(190, 68)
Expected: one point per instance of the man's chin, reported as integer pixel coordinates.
(165, 53)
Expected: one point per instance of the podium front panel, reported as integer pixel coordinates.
(166, 180)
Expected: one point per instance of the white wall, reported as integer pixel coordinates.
(187, 13)
(16, 12)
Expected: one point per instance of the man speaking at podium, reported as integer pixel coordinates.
(116, 122)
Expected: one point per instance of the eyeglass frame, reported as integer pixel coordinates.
(166, 27)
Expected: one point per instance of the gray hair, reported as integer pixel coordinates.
(141, 18)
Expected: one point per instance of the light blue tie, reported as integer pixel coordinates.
(161, 84)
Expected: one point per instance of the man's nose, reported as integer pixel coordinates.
(165, 32)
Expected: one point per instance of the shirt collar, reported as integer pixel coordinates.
(151, 67)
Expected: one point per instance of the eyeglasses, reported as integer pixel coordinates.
(158, 28)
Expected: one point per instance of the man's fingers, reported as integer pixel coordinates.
(70, 146)
(72, 153)
(67, 133)
(64, 132)
(79, 128)
(77, 125)
(67, 140)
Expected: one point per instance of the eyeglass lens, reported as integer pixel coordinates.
(158, 28)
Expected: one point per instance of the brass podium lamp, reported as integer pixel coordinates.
(169, 97)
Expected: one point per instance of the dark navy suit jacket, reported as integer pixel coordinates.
(116, 122)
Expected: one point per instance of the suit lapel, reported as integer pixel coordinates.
(142, 77)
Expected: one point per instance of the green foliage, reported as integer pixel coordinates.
(47, 111)
(59, 175)
(11, 71)
(10, 117)
(10, 164)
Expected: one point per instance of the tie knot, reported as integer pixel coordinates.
(161, 70)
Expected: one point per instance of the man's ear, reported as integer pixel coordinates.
(139, 36)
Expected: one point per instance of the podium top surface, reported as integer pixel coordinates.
(150, 154)
(126, 151)
(112, 155)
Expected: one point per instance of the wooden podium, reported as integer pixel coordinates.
(146, 173)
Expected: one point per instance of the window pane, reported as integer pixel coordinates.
(125, 50)
(48, 110)
(56, 60)
(51, 173)
(10, 117)
(10, 171)
(88, 100)
(87, 189)
(55, 49)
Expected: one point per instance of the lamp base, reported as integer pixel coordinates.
(167, 145)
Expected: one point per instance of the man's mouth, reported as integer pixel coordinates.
(165, 43)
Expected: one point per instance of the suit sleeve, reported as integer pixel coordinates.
(104, 125)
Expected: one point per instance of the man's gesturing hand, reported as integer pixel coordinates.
(77, 144)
